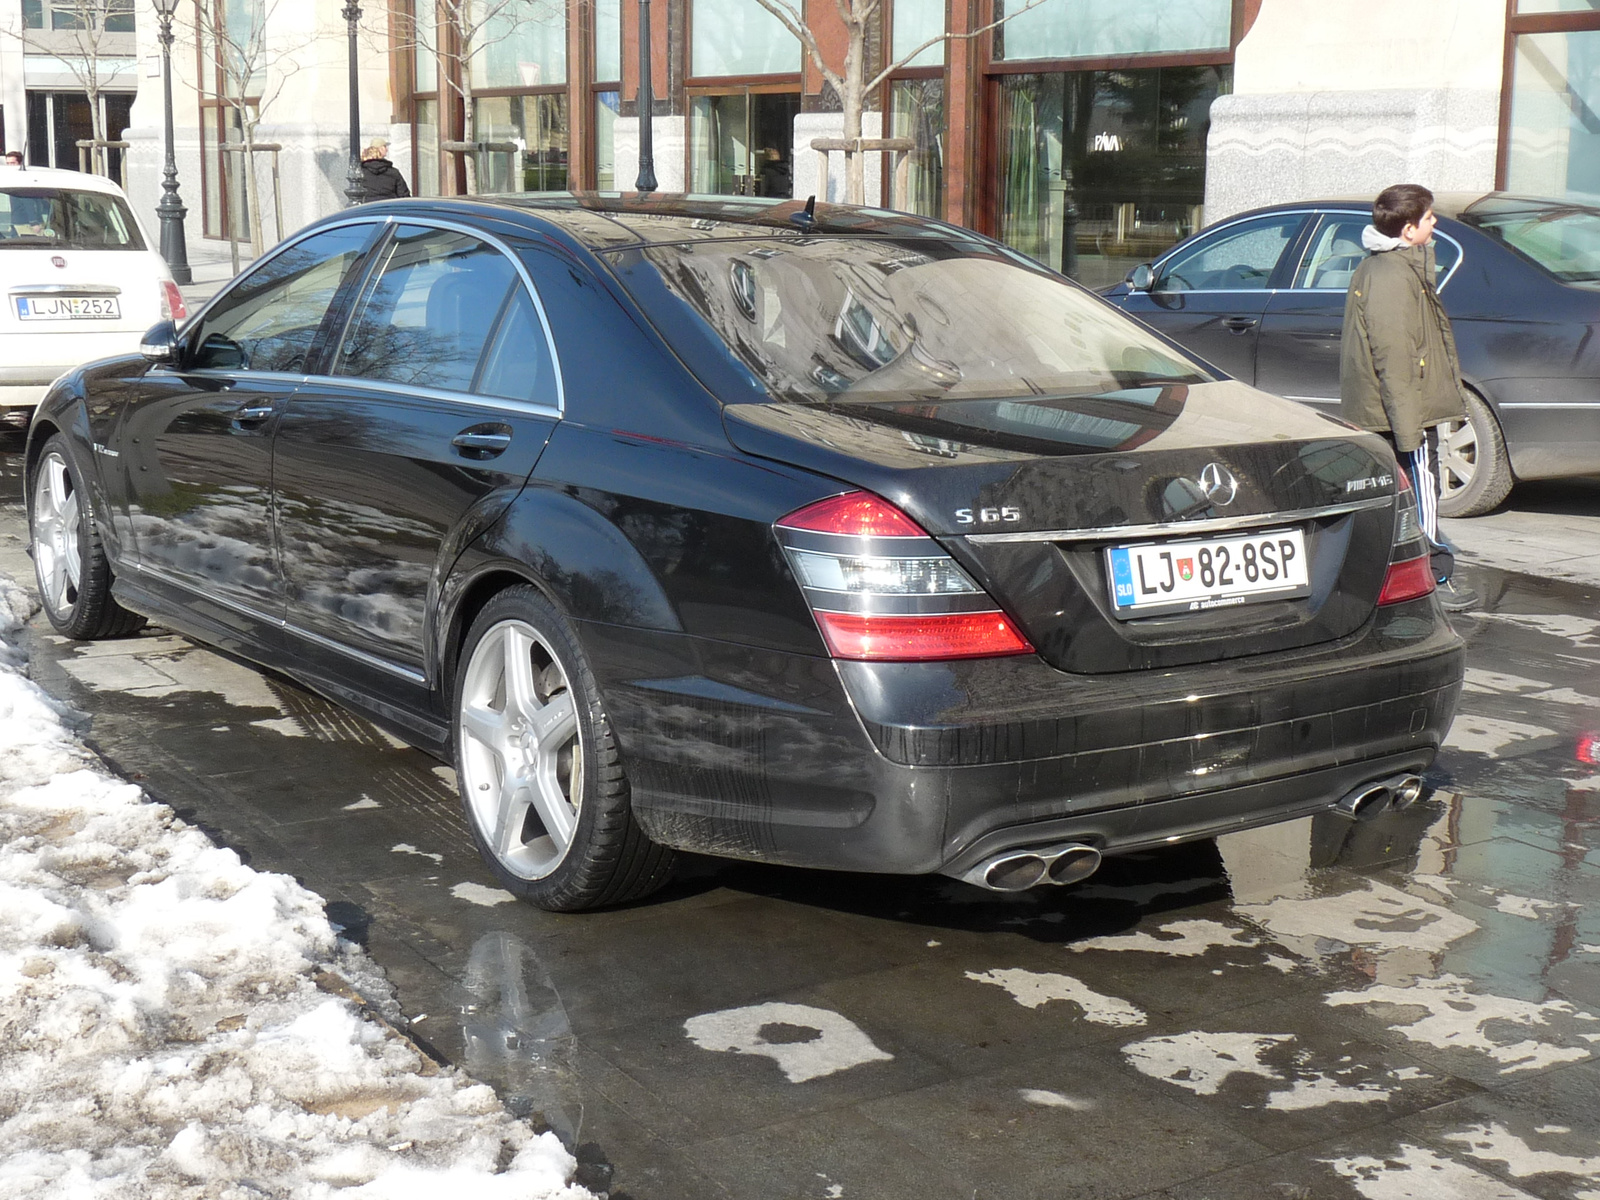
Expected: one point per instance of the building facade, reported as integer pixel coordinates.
(1090, 134)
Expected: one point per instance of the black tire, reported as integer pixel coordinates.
(1474, 471)
(560, 834)
(69, 562)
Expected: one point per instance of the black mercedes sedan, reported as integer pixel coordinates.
(834, 538)
(1261, 295)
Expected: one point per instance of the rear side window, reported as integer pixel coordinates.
(269, 320)
(1336, 250)
(428, 313)
(518, 364)
(65, 219)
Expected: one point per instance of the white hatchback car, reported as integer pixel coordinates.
(81, 276)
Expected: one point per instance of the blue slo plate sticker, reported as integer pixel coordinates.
(22, 306)
(1122, 577)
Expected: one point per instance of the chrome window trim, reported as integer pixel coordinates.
(282, 623)
(498, 404)
(1171, 528)
(538, 307)
(294, 377)
(1439, 284)
(1595, 403)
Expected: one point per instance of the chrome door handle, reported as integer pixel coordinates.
(1242, 324)
(252, 413)
(481, 445)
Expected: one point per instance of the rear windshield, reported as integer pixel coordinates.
(830, 319)
(65, 219)
(1564, 239)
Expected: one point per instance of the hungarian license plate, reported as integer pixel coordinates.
(67, 308)
(1200, 574)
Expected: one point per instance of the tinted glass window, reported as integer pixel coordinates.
(518, 366)
(831, 317)
(268, 321)
(56, 218)
(425, 318)
(1239, 258)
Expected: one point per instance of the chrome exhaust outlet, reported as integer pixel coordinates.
(1405, 790)
(1366, 801)
(1019, 870)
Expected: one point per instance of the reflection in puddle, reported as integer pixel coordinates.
(517, 1036)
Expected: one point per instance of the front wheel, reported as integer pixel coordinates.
(541, 782)
(1474, 471)
(68, 559)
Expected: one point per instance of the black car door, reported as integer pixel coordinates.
(421, 426)
(196, 437)
(1210, 293)
(1298, 353)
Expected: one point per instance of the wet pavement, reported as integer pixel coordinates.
(1405, 1007)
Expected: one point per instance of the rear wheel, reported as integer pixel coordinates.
(541, 781)
(68, 559)
(1474, 472)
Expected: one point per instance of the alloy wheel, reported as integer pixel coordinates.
(56, 534)
(1458, 457)
(521, 750)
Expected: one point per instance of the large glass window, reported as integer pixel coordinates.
(1554, 140)
(268, 322)
(1097, 28)
(739, 37)
(916, 108)
(425, 133)
(607, 40)
(537, 126)
(425, 320)
(1102, 170)
(520, 43)
(740, 143)
(605, 140)
(915, 21)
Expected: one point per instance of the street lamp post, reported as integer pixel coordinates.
(354, 190)
(170, 210)
(647, 106)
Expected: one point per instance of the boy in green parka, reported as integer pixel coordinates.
(1399, 374)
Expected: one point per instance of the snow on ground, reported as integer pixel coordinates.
(174, 1024)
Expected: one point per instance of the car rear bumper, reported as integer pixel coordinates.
(917, 768)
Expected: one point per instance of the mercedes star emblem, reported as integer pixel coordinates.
(1218, 483)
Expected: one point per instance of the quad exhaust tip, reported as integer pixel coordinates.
(1019, 870)
(1399, 792)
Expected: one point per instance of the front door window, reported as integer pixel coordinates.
(740, 143)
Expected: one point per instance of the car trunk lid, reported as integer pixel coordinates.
(1031, 493)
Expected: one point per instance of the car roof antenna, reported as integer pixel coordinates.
(808, 218)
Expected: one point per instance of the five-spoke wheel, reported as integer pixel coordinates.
(74, 575)
(541, 781)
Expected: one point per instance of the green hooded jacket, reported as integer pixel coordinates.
(1398, 371)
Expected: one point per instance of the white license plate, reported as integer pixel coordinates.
(1200, 574)
(67, 308)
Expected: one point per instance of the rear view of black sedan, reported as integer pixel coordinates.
(1262, 296)
(851, 541)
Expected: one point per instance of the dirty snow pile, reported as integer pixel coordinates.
(175, 1024)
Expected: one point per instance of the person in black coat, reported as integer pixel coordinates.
(380, 178)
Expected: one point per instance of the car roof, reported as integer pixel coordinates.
(616, 220)
(55, 177)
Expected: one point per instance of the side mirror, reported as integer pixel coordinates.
(160, 343)
(1142, 278)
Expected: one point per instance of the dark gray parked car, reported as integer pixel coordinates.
(1261, 295)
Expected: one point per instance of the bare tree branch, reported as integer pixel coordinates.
(936, 39)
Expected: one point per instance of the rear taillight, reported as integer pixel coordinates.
(881, 589)
(1410, 573)
(172, 306)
